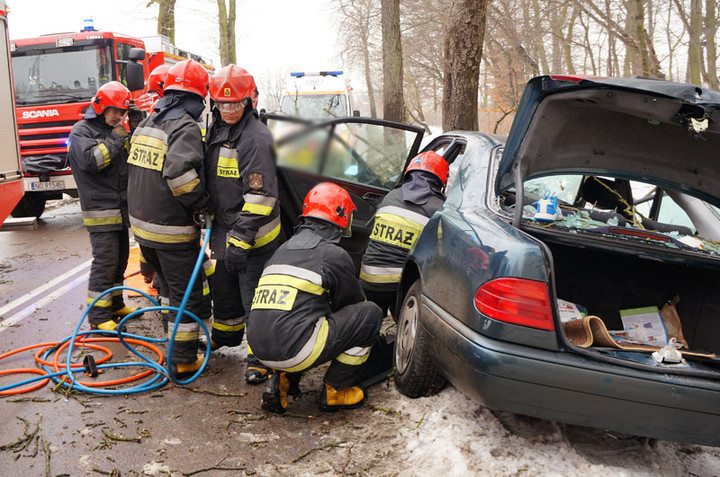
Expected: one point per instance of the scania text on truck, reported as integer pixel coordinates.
(55, 77)
(11, 186)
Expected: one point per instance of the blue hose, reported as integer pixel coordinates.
(163, 374)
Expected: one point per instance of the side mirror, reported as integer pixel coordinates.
(136, 54)
(134, 70)
(356, 113)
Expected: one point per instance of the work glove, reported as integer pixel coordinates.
(235, 256)
(121, 131)
(199, 216)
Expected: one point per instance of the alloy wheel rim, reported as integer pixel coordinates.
(407, 329)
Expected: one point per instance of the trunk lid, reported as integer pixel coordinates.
(641, 129)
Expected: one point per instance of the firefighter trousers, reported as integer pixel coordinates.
(232, 298)
(174, 268)
(384, 299)
(352, 331)
(110, 256)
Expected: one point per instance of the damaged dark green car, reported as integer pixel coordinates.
(590, 295)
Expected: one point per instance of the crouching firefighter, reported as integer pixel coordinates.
(397, 224)
(166, 198)
(98, 155)
(242, 182)
(309, 309)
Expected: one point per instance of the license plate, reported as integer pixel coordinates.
(49, 185)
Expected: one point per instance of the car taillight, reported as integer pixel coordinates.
(516, 300)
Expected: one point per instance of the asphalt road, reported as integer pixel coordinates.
(214, 424)
(215, 427)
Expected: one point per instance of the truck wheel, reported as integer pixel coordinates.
(31, 205)
(416, 374)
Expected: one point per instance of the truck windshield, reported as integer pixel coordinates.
(315, 106)
(60, 75)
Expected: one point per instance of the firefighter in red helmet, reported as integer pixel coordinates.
(98, 155)
(156, 79)
(166, 196)
(399, 219)
(309, 309)
(241, 180)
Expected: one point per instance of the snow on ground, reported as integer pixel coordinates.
(451, 435)
(458, 437)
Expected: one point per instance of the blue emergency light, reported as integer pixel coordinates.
(300, 74)
(88, 25)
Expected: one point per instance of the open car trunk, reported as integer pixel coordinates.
(605, 281)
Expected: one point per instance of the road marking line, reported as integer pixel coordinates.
(12, 320)
(30, 295)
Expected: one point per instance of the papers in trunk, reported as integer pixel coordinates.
(644, 325)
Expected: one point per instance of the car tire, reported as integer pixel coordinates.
(416, 374)
(31, 205)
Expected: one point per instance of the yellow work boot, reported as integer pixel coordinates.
(347, 398)
(274, 398)
(124, 311)
(185, 370)
(109, 325)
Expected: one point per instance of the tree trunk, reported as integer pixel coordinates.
(226, 25)
(568, 43)
(462, 54)
(693, 62)
(393, 103)
(541, 53)
(710, 29)
(368, 81)
(166, 18)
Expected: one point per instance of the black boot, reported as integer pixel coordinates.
(379, 365)
(274, 397)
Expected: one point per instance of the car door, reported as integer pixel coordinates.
(365, 156)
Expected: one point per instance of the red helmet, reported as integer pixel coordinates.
(112, 94)
(188, 75)
(329, 202)
(156, 79)
(432, 162)
(232, 84)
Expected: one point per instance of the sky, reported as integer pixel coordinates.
(273, 37)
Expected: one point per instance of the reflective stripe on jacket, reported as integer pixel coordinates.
(242, 183)
(99, 165)
(396, 227)
(165, 182)
(306, 280)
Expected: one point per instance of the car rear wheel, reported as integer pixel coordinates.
(416, 374)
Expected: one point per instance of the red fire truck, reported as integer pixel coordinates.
(55, 77)
(11, 186)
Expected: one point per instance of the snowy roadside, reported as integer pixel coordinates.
(459, 437)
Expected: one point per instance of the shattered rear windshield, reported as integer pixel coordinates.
(628, 209)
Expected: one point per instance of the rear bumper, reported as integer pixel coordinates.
(570, 388)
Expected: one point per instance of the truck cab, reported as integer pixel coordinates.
(11, 186)
(318, 96)
(55, 78)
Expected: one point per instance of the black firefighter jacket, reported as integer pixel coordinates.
(165, 186)
(396, 227)
(242, 183)
(307, 279)
(98, 159)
